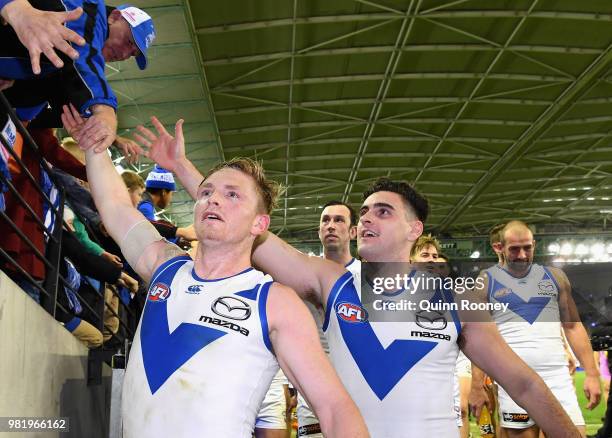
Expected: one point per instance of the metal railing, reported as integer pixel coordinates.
(51, 259)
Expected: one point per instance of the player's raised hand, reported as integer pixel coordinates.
(163, 148)
(42, 32)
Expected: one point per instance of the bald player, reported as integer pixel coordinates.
(388, 367)
(540, 303)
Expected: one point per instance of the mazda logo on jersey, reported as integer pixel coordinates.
(431, 320)
(546, 286)
(232, 308)
(351, 312)
(159, 292)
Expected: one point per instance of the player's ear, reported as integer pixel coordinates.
(261, 224)
(415, 230)
(497, 246)
(353, 232)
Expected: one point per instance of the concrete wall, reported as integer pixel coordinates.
(43, 369)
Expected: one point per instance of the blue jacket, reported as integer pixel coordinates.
(81, 81)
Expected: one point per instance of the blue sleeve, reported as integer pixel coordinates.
(146, 208)
(3, 3)
(89, 67)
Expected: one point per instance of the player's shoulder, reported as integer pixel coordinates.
(559, 276)
(168, 254)
(281, 292)
(283, 305)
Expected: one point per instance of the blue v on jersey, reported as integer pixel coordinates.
(201, 362)
(400, 374)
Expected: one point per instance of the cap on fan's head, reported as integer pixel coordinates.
(142, 28)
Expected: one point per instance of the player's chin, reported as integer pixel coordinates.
(368, 250)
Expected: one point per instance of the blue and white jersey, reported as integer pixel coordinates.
(201, 361)
(400, 373)
(531, 326)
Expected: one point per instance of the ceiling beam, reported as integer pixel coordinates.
(473, 94)
(390, 70)
(386, 139)
(364, 50)
(286, 22)
(276, 106)
(584, 16)
(398, 76)
(289, 107)
(203, 77)
(306, 158)
(546, 185)
(288, 55)
(505, 47)
(539, 128)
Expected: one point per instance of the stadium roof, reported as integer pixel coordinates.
(494, 109)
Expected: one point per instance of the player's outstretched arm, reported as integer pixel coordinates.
(578, 338)
(311, 277)
(42, 31)
(140, 243)
(295, 341)
(484, 346)
(169, 153)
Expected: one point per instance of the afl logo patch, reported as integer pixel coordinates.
(159, 292)
(351, 312)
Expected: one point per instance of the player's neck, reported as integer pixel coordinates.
(342, 257)
(221, 261)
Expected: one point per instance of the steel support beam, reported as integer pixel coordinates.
(539, 128)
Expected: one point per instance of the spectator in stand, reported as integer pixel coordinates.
(80, 296)
(109, 34)
(91, 246)
(23, 219)
(77, 316)
(136, 187)
(42, 31)
(158, 194)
